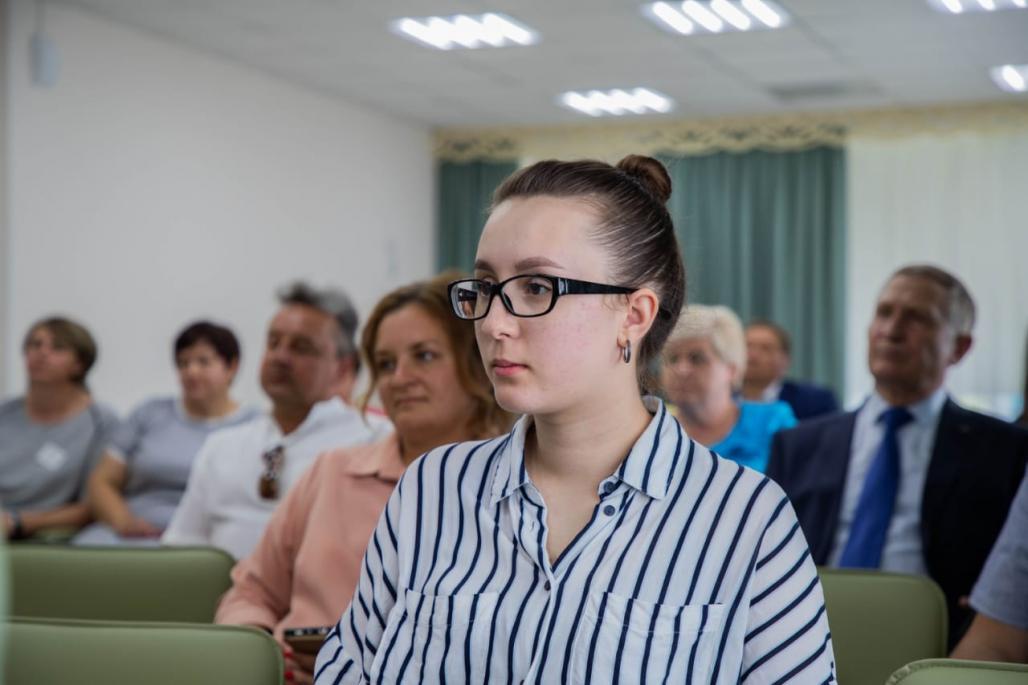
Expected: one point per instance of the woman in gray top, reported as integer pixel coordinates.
(51, 437)
(134, 490)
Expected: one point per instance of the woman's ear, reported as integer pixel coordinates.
(643, 306)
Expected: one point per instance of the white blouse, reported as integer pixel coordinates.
(692, 569)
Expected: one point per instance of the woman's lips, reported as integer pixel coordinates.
(505, 368)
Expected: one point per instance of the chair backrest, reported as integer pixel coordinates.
(881, 621)
(118, 583)
(58, 651)
(960, 672)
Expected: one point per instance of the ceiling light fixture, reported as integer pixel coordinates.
(617, 102)
(1012, 78)
(717, 16)
(765, 12)
(672, 17)
(961, 6)
(703, 16)
(731, 14)
(466, 31)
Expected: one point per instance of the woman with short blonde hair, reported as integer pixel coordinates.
(704, 362)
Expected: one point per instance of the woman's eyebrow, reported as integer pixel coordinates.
(521, 265)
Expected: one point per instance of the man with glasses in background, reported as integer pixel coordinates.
(310, 363)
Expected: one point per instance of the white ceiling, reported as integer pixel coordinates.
(880, 53)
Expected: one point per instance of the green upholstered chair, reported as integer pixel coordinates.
(58, 651)
(118, 583)
(960, 672)
(881, 621)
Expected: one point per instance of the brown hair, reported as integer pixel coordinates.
(72, 335)
(432, 297)
(784, 340)
(635, 228)
(960, 310)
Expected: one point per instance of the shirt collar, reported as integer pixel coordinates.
(332, 410)
(381, 459)
(772, 391)
(925, 412)
(647, 467)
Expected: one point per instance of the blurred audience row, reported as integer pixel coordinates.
(910, 482)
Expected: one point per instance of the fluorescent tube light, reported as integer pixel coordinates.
(703, 16)
(617, 102)
(672, 17)
(731, 14)
(1012, 78)
(716, 16)
(970, 6)
(466, 31)
(763, 12)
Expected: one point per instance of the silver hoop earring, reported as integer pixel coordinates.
(626, 351)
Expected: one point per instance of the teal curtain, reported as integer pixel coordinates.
(465, 190)
(763, 233)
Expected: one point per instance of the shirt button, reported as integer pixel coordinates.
(609, 486)
(609, 510)
(547, 585)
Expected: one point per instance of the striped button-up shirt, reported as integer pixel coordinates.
(692, 570)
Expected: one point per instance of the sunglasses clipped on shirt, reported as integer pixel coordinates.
(268, 484)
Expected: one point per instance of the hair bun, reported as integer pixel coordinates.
(649, 173)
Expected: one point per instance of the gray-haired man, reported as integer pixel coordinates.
(310, 360)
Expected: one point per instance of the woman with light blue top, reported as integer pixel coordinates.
(136, 487)
(704, 362)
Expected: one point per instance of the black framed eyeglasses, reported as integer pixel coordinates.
(524, 296)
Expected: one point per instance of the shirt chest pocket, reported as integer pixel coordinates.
(644, 641)
(432, 638)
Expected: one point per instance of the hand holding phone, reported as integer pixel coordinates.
(305, 640)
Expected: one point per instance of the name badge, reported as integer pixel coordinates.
(51, 457)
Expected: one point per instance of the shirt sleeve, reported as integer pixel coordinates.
(191, 524)
(1000, 592)
(105, 424)
(124, 439)
(350, 648)
(787, 634)
(262, 583)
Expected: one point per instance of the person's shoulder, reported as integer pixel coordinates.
(954, 413)
(747, 481)
(153, 408)
(812, 428)
(12, 406)
(107, 415)
(469, 461)
(765, 411)
(229, 435)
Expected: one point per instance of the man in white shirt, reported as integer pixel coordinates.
(911, 482)
(241, 473)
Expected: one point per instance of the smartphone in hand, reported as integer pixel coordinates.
(306, 640)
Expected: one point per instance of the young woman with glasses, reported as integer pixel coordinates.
(596, 542)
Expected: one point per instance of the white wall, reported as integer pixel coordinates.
(156, 184)
(959, 201)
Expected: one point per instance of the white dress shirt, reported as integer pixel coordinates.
(222, 506)
(902, 552)
(692, 569)
(772, 391)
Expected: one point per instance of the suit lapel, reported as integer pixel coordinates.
(835, 448)
(943, 469)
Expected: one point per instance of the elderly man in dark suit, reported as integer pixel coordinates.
(768, 356)
(910, 482)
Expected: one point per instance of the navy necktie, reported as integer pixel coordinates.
(878, 498)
